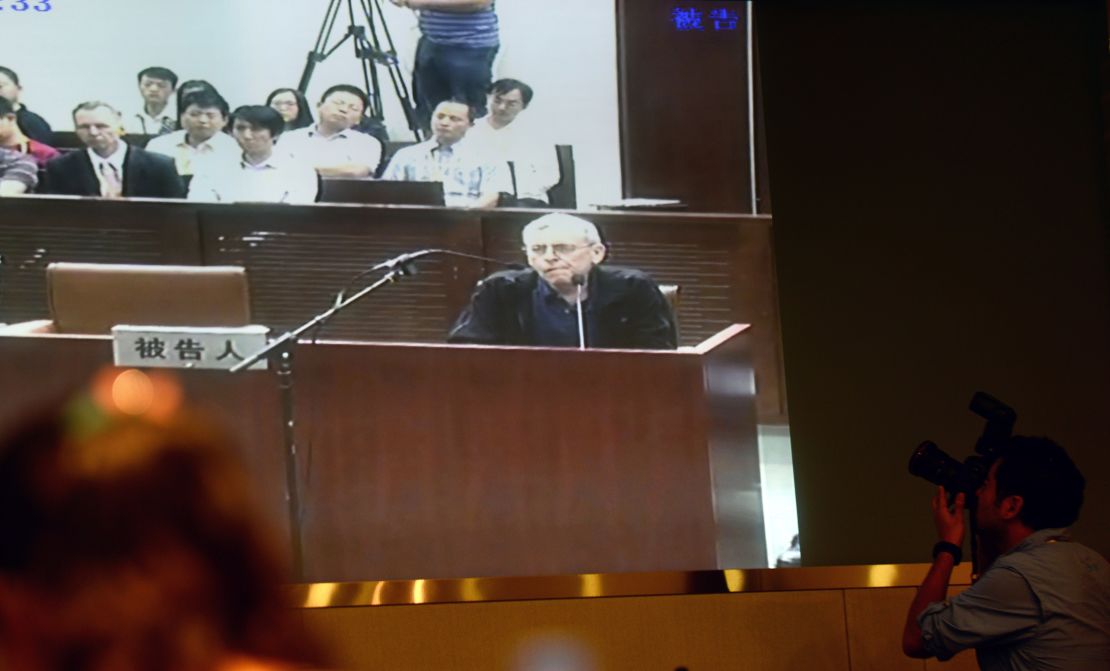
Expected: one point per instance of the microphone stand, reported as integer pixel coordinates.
(581, 327)
(280, 352)
(579, 280)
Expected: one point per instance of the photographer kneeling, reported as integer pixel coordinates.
(1043, 601)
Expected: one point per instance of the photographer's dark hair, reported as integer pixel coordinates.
(6, 107)
(1040, 471)
(503, 86)
(156, 72)
(260, 116)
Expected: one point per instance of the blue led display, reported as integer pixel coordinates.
(27, 5)
(686, 19)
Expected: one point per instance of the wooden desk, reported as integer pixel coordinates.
(299, 256)
(440, 461)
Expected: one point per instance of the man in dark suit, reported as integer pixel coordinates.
(108, 167)
(566, 299)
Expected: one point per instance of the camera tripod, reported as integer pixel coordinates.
(369, 52)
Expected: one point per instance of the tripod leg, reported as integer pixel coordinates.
(319, 53)
(396, 77)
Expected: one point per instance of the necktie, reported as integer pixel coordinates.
(167, 126)
(111, 186)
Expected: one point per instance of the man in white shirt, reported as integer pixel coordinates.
(332, 146)
(201, 142)
(468, 179)
(501, 137)
(156, 85)
(259, 175)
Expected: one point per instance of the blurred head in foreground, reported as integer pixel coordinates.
(130, 542)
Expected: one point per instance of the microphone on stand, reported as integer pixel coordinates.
(404, 260)
(579, 280)
(402, 264)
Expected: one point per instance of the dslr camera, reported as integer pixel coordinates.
(930, 462)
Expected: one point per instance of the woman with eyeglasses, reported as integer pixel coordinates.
(292, 106)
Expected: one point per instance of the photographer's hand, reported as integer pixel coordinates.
(949, 523)
(950, 528)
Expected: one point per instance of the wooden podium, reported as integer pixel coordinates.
(450, 461)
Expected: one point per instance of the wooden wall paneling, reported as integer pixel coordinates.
(299, 256)
(784, 631)
(36, 231)
(684, 106)
(724, 265)
(420, 461)
(40, 370)
(478, 461)
(875, 618)
(297, 259)
(732, 405)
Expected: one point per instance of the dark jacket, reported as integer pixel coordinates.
(629, 310)
(145, 175)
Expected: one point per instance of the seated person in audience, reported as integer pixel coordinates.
(258, 175)
(502, 137)
(18, 174)
(621, 307)
(156, 85)
(468, 180)
(332, 146)
(200, 142)
(134, 542)
(187, 88)
(292, 106)
(32, 125)
(109, 167)
(11, 137)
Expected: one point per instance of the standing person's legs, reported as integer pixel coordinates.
(430, 83)
(470, 72)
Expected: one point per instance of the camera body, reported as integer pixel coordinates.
(931, 463)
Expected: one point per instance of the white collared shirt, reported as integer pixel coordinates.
(115, 160)
(190, 160)
(465, 175)
(535, 164)
(141, 123)
(314, 149)
(278, 179)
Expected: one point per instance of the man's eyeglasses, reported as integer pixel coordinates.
(561, 249)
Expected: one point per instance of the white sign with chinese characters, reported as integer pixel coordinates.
(210, 347)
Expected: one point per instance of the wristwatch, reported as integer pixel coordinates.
(951, 548)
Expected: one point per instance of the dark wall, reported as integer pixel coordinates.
(939, 192)
(684, 106)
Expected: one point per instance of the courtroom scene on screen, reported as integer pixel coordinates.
(480, 288)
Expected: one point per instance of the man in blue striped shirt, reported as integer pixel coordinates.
(454, 58)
